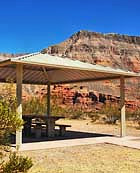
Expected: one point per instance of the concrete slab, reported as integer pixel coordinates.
(129, 141)
(61, 143)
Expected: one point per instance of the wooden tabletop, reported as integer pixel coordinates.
(44, 117)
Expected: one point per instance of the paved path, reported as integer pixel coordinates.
(131, 142)
(60, 143)
(128, 141)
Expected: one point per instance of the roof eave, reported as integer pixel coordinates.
(91, 80)
(129, 74)
(5, 62)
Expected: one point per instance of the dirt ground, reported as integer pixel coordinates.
(98, 158)
(86, 125)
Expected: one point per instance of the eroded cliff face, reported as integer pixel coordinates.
(117, 51)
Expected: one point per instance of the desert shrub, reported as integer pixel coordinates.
(35, 106)
(57, 110)
(9, 119)
(16, 164)
(69, 112)
(38, 106)
(130, 115)
(9, 123)
(74, 113)
(94, 115)
(136, 116)
(111, 112)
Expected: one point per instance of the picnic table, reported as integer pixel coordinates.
(49, 121)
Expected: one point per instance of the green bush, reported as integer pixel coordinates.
(17, 164)
(9, 123)
(9, 119)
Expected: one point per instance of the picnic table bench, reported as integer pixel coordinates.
(62, 128)
(40, 121)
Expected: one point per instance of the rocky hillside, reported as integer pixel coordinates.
(115, 50)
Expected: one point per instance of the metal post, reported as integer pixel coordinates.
(19, 75)
(48, 99)
(122, 106)
(50, 121)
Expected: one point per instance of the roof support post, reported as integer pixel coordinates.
(19, 76)
(48, 99)
(50, 122)
(122, 106)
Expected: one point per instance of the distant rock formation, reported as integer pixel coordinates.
(115, 50)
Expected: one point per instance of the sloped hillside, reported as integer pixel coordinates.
(118, 51)
(115, 50)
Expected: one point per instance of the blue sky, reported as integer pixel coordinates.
(30, 25)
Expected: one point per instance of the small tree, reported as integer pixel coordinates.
(9, 119)
(9, 123)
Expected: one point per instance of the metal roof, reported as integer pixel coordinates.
(41, 68)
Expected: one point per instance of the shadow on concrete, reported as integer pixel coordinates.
(68, 135)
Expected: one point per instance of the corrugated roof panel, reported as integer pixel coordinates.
(39, 68)
(66, 75)
(48, 60)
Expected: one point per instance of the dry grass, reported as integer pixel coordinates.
(101, 158)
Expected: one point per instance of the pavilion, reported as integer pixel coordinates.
(44, 69)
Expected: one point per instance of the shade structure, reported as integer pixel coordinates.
(45, 69)
(41, 68)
